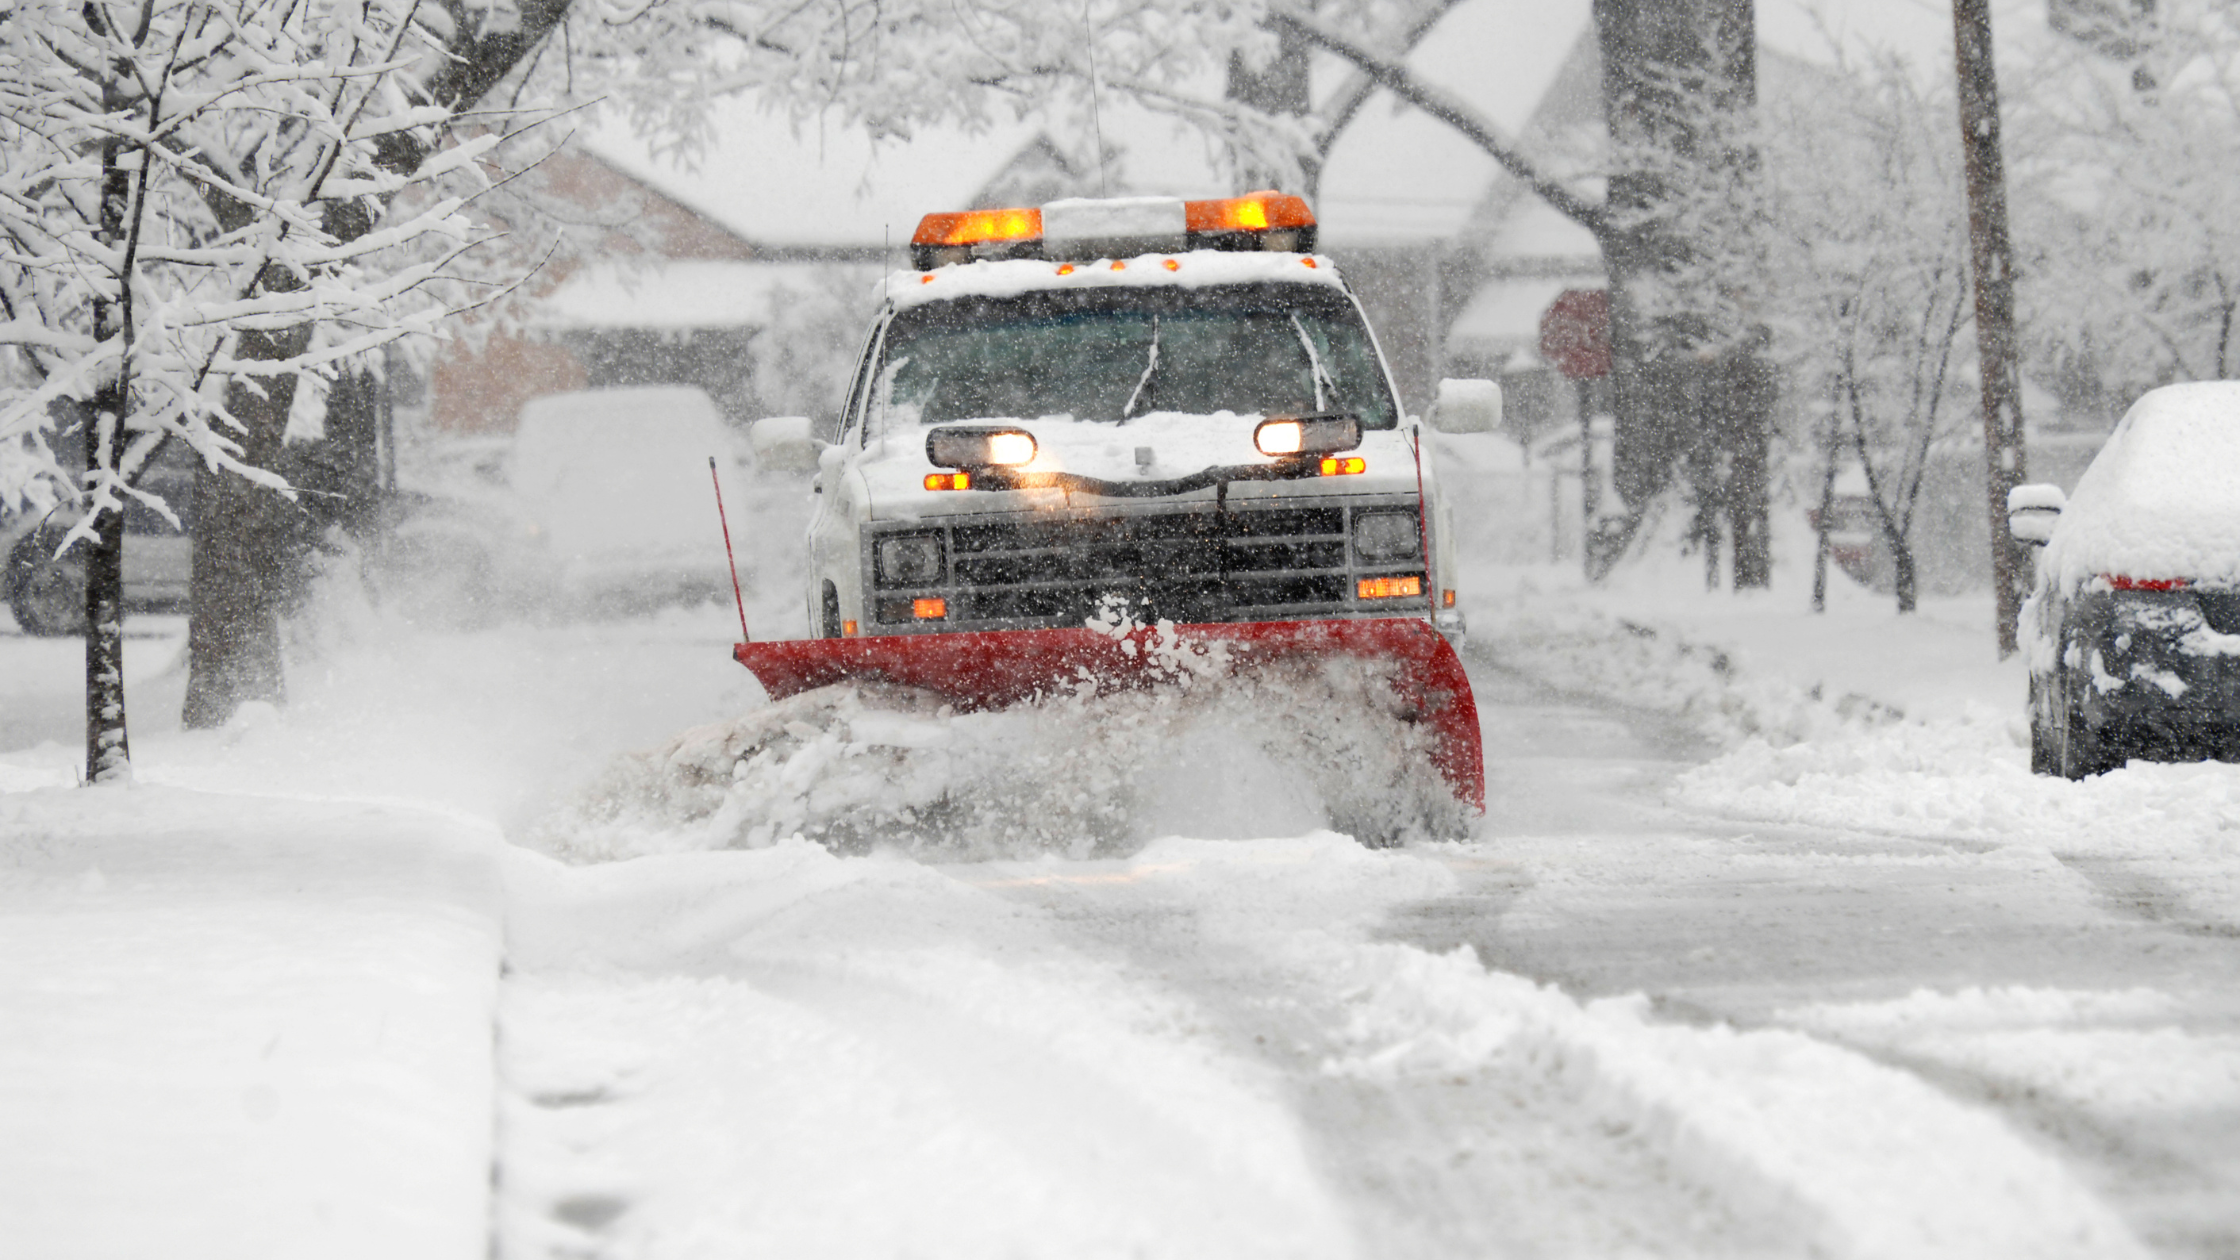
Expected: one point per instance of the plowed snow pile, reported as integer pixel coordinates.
(1286, 749)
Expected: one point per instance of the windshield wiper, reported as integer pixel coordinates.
(1323, 385)
(1143, 383)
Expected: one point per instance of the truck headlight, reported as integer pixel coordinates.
(959, 446)
(1307, 435)
(1386, 537)
(908, 559)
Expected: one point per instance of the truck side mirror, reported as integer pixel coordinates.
(2032, 512)
(782, 444)
(1467, 407)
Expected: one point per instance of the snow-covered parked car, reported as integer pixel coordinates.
(616, 481)
(2133, 628)
(47, 592)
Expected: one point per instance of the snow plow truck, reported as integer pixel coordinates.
(1081, 434)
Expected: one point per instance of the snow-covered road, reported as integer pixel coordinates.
(1631, 1017)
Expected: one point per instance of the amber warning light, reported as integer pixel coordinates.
(1388, 587)
(1265, 220)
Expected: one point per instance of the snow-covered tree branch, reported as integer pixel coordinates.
(188, 194)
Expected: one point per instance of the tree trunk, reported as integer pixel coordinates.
(1991, 260)
(108, 749)
(1750, 389)
(1824, 522)
(250, 549)
(1901, 558)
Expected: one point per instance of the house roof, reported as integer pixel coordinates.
(681, 294)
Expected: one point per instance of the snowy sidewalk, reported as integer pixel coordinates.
(245, 1027)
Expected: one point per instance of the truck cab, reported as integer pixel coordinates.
(1166, 410)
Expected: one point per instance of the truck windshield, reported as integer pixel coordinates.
(1115, 354)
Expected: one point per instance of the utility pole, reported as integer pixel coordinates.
(1993, 265)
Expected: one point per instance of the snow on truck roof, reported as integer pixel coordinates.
(1202, 269)
(2162, 499)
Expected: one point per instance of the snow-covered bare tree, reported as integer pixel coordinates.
(188, 254)
(1675, 229)
(1870, 240)
(2132, 136)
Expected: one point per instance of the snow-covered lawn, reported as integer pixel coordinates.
(242, 1026)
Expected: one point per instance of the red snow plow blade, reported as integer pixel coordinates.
(988, 669)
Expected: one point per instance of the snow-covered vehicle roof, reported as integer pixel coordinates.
(2162, 499)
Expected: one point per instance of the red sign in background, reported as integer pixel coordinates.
(1575, 333)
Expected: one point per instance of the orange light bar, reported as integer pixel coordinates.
(1388, 587)
(948, 481)
(937, 608)
(971, 227)
(1254, 212)
(1334, 466)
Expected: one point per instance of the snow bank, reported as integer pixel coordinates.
(242, 1027)
(1970, 780)
(794, 1054)
(1288, 747)
(2162, 500)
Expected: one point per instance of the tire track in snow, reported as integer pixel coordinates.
(1722, 1142)
(787, 1053)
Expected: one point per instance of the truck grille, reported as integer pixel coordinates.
(1187, 566)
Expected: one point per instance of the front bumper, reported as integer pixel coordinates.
(1195, 562)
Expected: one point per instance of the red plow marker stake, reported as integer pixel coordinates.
(730, 561)
(992, 668)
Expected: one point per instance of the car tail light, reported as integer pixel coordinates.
(2122, 583)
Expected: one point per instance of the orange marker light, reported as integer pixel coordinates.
(1447, 599)
(1117, 265)
(971, 227)
(1388, 587)
(1174, 264)
(1333, 466)
(926, 278)
(948, 481)
(1255, 213)
(847, 629)
(1308, 261)
(937, 608)
(1066, 270)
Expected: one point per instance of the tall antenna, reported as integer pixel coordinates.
(1096, 114)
